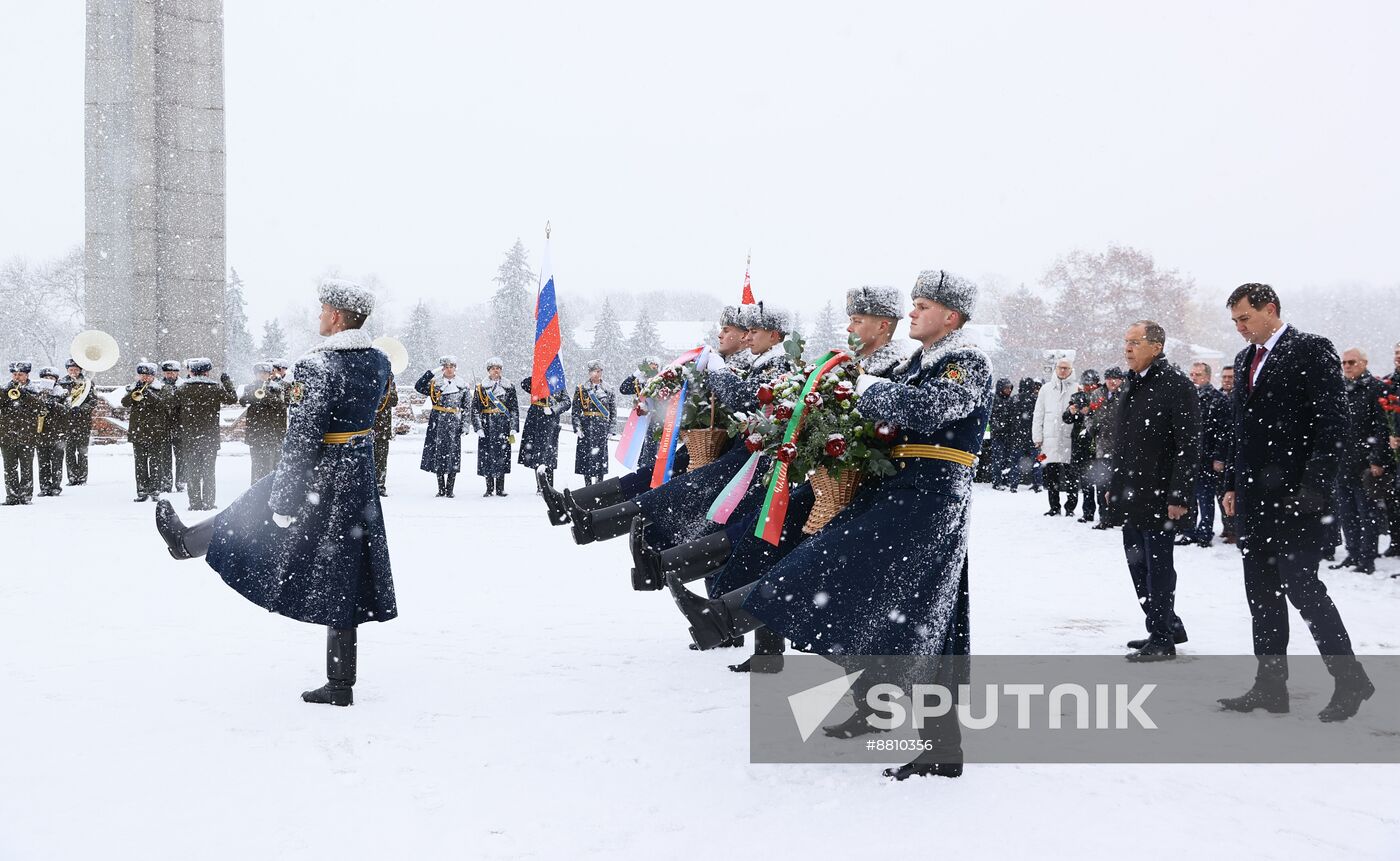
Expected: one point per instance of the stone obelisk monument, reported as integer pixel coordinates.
(155, 177)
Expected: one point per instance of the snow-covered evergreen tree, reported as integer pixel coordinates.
(420, 339)
(644, 340)
(274, 341)
(609, 346)
(513, 311)
(239, 350)
(826, 331)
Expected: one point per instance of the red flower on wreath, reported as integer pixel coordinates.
(835, 445)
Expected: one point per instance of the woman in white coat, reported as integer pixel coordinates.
(1051, 435)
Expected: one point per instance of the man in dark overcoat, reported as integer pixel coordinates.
(539, 441)
(197, 402)
(591, 414)
(148, 404)
(495, 416)
(265, 420)
(449, 400)
(1365, 459)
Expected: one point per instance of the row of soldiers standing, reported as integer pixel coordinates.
(48, 419)
(491, 409)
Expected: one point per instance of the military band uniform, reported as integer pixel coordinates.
(265, 425)
(53, 416)
(148, 429)
(19, 424)
(383, 434)
(197, 401)
(77, 426)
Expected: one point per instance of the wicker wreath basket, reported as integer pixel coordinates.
(832, 495)
(704, 444)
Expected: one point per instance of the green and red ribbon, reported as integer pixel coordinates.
(775, 503)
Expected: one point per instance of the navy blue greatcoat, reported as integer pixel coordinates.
(496, 411)
(442, 446)
(331, 566)
(887, 576)
(592, 417)
(539, 441)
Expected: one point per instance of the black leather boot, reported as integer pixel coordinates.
(714, 621)
(501, 485)
(1270, 691)
(603, 523)
(1353, 688)
(341, 654)
(184, 542)
(689, 561)
(768, 648)
(442, 484)
(1178, 637)
(490, 486)
(450, 485)
(554, 502)
(598, 495)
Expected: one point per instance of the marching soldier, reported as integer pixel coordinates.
(442, 447)
(495, 415)
(172, 463)
(383, 434)
(53, 420)
(148, 428)
(310, 544)
(592, 418)
(198, 399)
(77, 428)
(539, 441)
(19, 424)
(266, 417)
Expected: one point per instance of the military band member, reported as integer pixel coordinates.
(19, 424)
(198, 399)
(173, 457)
(148, 404)
(266, 419)
(280, 367)
(77, 427)
(308, 542)
(447, 422)
(384, 434)
(539, 441)
(495, 416)
(53, 420)
(592, 417)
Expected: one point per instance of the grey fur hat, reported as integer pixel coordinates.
(170, 365)
(50, 371)
(346, 296)
(953, 292)
(764, 316)
(21, 367)
(874, 302)
(200, 365)
(444, 361)
(595, 365)
(262, 367)
(733, 315)
(71, 364)
(495, 362)
(147, 368)
(281, 364)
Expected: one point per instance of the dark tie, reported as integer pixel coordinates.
(1254, 365)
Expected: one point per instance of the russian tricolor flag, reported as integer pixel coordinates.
(547, 375)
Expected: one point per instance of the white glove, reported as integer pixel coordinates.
(715, 362)
(549, 411)
(283, 520)
(481, 432)
(865, 381)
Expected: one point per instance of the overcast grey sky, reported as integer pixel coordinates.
(844, 144)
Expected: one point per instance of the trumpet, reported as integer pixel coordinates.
(137, 393)
(260, 392)
(15, 393)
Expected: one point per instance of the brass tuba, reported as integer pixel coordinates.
(395, 350)
(94, 350)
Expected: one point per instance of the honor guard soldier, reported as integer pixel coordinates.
(539, 441)
(77, 428)
(592, 417)
(19, 425)
(53, 420)
(173, 458)
(266, 419)
(383, 434)
(308, 542)
(147, 402)
(442, 446)
(198, 399)
(495, 414)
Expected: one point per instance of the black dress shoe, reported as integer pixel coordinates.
(1085, 519)
(1345, 563)
(735, 643)
(1366, 567)
(853, 726)
(140, 497)
(1272, 698)
(1184, 540)
(1101, 525)
(332, 693)
(1153, 651)
(1392, 551)
(1178, 637)
(924, 769)
(1051, 514)
(759, 664)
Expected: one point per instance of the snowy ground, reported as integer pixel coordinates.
(527, 703)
